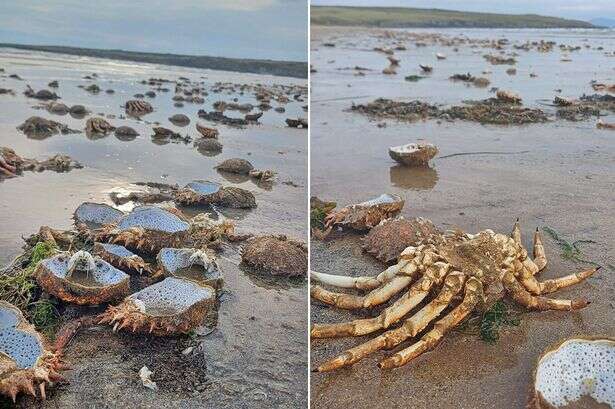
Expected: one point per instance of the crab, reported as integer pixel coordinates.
(365, 215)
(172, 306)
(26, 360)
(480, 269)
(146, 229)
(82, 279)
(136, 107)
(98, 126)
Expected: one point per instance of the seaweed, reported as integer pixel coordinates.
(570, 251)
(495, 318)
(487, 324)
(19, 287)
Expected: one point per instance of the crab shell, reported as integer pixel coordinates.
(19, 338)
(51, 276)
(365, 215)
(96, 214)
(389, 239)
(276, 255)
(170, 307)
(413, 154)
(121, 258)
(173, 261)
(208, 193)
(146, 229)
(577, 368)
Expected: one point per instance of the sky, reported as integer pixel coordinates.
(574, 9)
(263, 29)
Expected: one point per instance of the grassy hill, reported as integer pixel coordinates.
(272, 67)
(401, 17)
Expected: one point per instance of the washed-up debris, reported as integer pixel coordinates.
(605, 125)
(297, 123)
(577, 373)
(179, 120)
(497, 60)
(145, 376)
(406, 111)
(426, 68)
(413, 154)
(12, 164)
(235, 165)
(38, 127)
(138, 108)
(28, 362)
(219, 117)
(207, 132)
(42, 94)
(388, 239)
(413, 78)
(162, 133)
(276, 255)
(98, 126)
(210, 193)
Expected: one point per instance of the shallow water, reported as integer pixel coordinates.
(558, 174)
(266, 324)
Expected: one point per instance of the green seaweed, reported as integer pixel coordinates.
(570, 251)
(317, 218)
(494, 318)
(487, 324)
(414, 78)
(19, 287)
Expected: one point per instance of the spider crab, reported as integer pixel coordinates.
(26, 359)
(480, 269)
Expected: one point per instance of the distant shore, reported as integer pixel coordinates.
(269, 67)
(402, 17)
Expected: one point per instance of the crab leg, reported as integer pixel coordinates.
(548, 286)
(379, 295)
(473, 294)
(523, 297)
(516, 232)
(540, 258)
(390, 315)
(453, 283)
(361, 283)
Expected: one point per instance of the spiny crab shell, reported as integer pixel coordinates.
(276, 255)
(25, 359)
(96, 214)
(170, 307)
(191, 264)
(208, 193)
(365, 215)
(579, 372)
(146, 229)
(121, 258)
(137, 107)
(413, 154)
(82, 279)
(98, 125)
(387, 240)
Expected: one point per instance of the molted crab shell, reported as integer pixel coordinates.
(147, 229)
(95, 215)
(25, 361)
(580, 372)
(172, 306)
(99, 126)
(389, 239)
(82, 279)
(208, 193)
(365, 215)
(121, 258)
(136, 107)
(191, 264)
(276, 255)
(508, 97)
(413, 154)
(207, 132)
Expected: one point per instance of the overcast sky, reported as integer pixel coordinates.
(576, 9)
(270, 29)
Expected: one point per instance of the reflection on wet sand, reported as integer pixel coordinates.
(413, 178)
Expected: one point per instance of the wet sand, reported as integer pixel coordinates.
(564, 180)
(256, 355)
